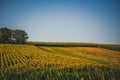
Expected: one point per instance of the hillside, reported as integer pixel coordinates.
(98, 55)
(115, 47)
(27, 62)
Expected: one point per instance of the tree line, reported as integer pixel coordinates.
(17, 36)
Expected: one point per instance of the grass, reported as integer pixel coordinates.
(57, 50)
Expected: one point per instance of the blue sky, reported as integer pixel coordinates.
(96, 21)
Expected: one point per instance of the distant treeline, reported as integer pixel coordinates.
(13, 36)
(77, 44)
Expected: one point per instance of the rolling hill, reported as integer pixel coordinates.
(29, 62)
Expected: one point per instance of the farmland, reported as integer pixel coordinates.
(29, 62)
(115, 47)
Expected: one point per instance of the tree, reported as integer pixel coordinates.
(19, 36)
(13, 36)
(5, 35)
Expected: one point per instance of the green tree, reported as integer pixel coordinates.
(5, 35)
(13, 36)
(19, 36)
